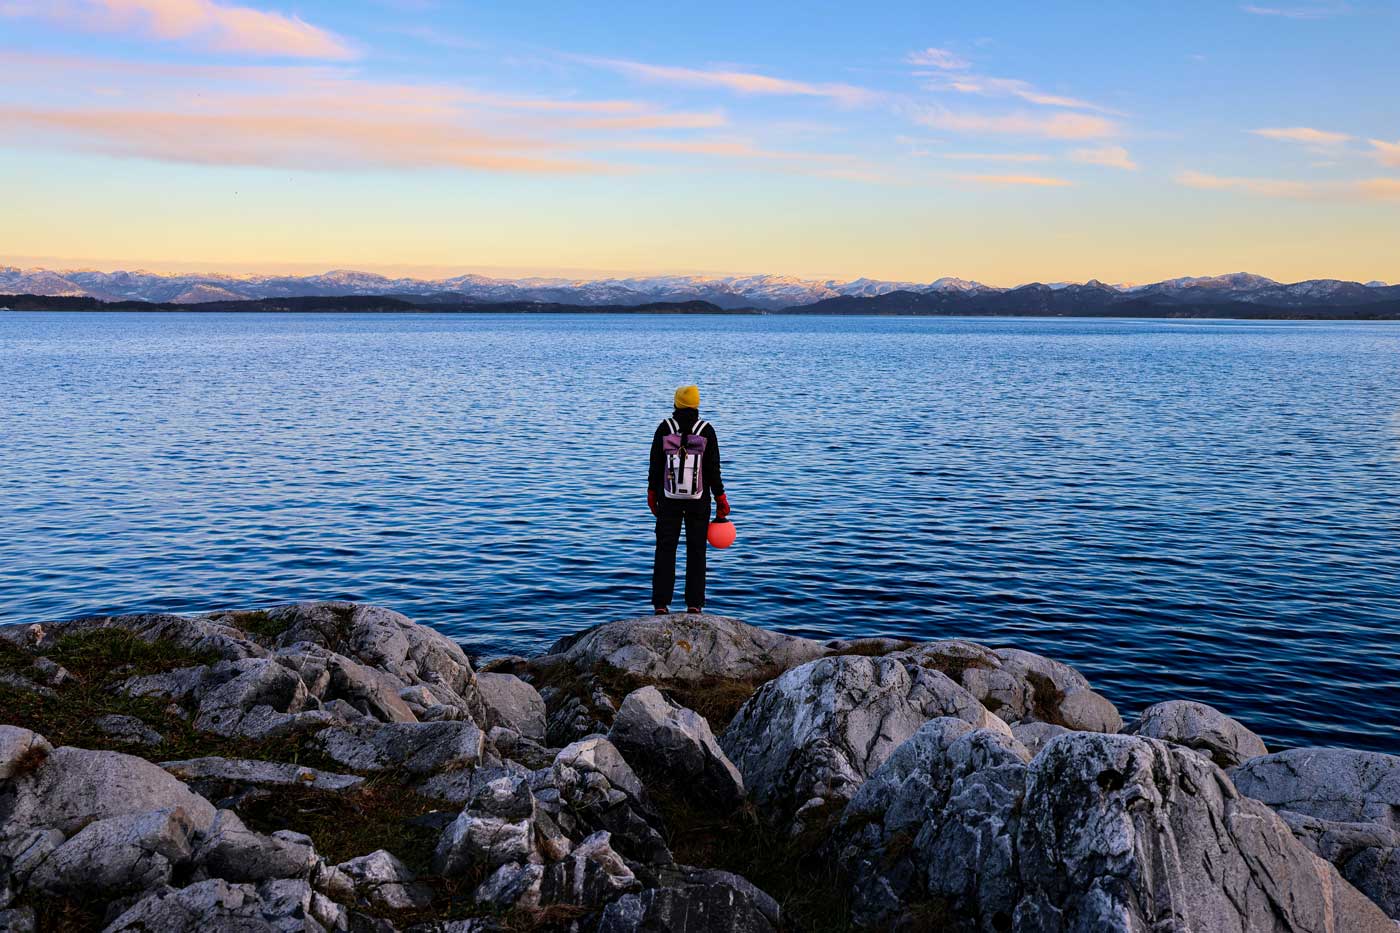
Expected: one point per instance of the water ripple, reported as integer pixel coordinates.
(1179, 509)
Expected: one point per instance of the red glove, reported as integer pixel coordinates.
(722, 509)
(651, 501)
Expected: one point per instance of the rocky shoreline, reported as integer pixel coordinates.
(333, 766)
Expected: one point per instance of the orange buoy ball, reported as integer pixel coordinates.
(721, 533)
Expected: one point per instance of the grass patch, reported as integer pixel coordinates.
(348, 824)
(99, 660)
(807, 887)
(258, 622)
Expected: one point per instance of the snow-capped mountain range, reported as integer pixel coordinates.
(769, 292)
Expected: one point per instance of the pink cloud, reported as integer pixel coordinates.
(1366, 189)
(1109, 156)
(202, 23)
(1386, 153)
(740, 82)
(270, 139)
(652, 121)
(1036, 181)
(1304, 134)
(1052, 126)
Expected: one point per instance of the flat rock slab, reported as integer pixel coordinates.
(687, 648)
(1337, 784)
(77, 786)
(246, 772)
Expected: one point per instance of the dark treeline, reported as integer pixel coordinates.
(1029, 301)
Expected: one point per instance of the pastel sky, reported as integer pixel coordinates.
(1000, 141)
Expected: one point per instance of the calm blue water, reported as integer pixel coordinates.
(1179, 509)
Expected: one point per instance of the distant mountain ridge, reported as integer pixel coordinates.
(761, 292)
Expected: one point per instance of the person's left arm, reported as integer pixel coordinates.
(713, 475)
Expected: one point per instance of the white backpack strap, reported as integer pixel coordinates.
(700, 427)
(671, 423)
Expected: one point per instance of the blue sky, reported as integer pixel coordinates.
(999, 141)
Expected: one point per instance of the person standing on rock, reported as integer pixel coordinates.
(683, 478)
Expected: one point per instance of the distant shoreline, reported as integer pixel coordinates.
(890, 305)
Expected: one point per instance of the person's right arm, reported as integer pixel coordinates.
(656, 470)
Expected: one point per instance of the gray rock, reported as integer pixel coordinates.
(512, 886)
(50, 672)
(1096, 832)
(694, 901)
(590, 787)
(806, 741)
(372, 692)
(215, 904)
(496, 827)
(687, 648)
(127, 730)
(20, 749)
(216, 778)
(417, 748)
(18, 920)
(573, 715)
(384, 640)
(117, 855)
(25, 685)
(232, 689)
(1035, 735)
(1336, 784)
(233, 852)
(515, 747)
(383, 882)
(457, 787)
(1126, 833)
(28, 850)
(667, 739)
(1366, 854)
(589, 876)
(1195, 725)
(936, 823)
(1019, 686)
(75, 787)
(512, 703)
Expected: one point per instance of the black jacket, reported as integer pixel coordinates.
(686, 418)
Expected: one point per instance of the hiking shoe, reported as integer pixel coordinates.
(662, 611)
(693, 611)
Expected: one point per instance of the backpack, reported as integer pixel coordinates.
(684, 451)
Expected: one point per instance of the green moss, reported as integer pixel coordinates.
(258, 623)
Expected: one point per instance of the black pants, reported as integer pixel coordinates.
(670, 515)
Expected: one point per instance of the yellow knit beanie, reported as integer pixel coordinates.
(688, 397)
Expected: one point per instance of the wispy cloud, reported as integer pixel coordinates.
(1306, 135)
(1366, 189)
(1048, 126)
(739, 82)
(200, 23)
(1035, 181)
(269, 139)
(993, 156)
(951, 73)
(938, 58)
(652, 121)
(311, 117)
(1110, 156)
(1386, 153)
(1317, 11)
